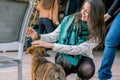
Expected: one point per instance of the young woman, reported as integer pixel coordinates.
(48, 15)
(77, 36)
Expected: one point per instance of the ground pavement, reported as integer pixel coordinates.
(11, 73)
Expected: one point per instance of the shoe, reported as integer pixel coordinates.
(107, 79)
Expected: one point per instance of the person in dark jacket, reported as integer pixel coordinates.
(73, 6)
(111, 42)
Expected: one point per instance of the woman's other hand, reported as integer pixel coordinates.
(43, 44)
(32, 33)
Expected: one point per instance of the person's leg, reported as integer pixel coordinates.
(42, 30)
(41, 26)
(111, 41)
(49, 26)
(68, 68)
(85, 68)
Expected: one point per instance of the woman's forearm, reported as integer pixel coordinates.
(75, 49)
(51, 37)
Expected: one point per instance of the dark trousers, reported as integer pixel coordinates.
(46, 26)
(85, 68)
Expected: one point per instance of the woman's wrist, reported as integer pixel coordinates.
(50, 45)
(56, 23)
(38, 37)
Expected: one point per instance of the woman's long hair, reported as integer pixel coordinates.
(95, 21)
(47, 4)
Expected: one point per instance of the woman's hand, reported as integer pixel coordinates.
(43, 44)
(57, 23)
(106, 17)
(32, 33)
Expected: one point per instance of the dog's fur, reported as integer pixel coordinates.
(41, 68)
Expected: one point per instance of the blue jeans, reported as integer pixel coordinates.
(111, 42)
(46, 25)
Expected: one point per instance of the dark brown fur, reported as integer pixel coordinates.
(41, 68)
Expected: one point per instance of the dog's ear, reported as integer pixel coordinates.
(28, 51)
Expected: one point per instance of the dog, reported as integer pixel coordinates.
(41, 68)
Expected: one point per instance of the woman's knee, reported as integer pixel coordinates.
(86, 70)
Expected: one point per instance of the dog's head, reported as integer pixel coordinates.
(36, 51)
